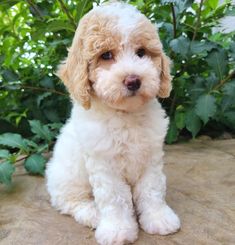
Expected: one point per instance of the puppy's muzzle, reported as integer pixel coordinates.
(132, 82)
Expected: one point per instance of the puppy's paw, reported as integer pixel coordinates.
(87, 214)
(113, 231)
(162, 222)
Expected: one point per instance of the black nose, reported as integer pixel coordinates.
(132, 82)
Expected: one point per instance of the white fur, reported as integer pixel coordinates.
(99, 149)
(128, 16)
(107, 161)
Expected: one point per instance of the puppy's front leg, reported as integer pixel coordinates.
(114, 201)
(155, 216)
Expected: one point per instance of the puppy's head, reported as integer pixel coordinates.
(117, 57)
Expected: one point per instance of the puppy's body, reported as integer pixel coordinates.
(128, 142)
(110, 156)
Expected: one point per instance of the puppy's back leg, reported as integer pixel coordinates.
(87, 214)
(71, 193)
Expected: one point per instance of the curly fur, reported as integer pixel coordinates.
(106, 168)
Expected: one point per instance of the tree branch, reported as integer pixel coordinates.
(19, 162)
(222, 82)
(174, 19)
(35, 8)
(44, 89)
(172, 106)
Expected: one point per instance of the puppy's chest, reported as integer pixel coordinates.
(127, 145)
(134, 143)
(133, 148)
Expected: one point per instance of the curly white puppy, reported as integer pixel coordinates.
(106, 169)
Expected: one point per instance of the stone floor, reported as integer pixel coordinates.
(201, 189)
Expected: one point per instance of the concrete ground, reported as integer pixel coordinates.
(201, 189)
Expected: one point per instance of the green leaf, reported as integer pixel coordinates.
(232, 50)
(210, 82)
(192, 122)
(180, 119)
(35, 164)
(180, 46)
(40, 130)
(58, 25)
(6, 171)
(56, 126)
(47, 82)
(230, 11)
(229, 88)
(52, 26)
(168, 1)
(205, 107)
(4, 154)
(13, 141)
(51, 115)
(10, 76)
(80, 9)
(41, 97)
(32, 144)
(198, 47)
(180, 5)
(172, 133)
(140, 3)
(8, 4)
(218, 61)
(227, 103)
(212, 3)
(42, 148)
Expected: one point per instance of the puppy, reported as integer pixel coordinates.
(106, 170)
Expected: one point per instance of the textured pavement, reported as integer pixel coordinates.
(201, 189)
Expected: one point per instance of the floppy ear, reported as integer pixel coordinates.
(74, 72)
(165, 84)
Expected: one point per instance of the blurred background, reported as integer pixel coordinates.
(198, 36)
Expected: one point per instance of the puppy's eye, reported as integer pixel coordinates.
(107, 55)
(140, 52)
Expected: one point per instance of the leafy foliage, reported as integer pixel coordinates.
(205, 107)
(30, 151)
(6, 171)
(35, 164)
(203, 66)
(13, 141)
(40, 130)
(34, 36)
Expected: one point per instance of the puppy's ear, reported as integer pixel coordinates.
(74, 72)
(165, 85)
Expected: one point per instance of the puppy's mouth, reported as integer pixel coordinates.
(132, 93)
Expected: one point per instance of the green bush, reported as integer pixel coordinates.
(34, 35)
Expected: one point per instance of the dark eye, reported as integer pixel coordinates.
(107, 55)
(140, 52)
